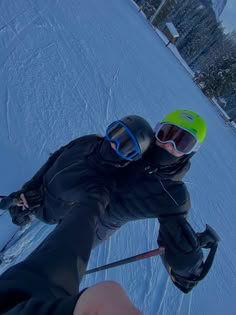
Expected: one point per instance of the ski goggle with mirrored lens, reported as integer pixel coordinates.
(182, 140)
(127, 146)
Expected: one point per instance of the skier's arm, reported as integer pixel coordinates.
(183, 256)
(36, 181)
(30, 195)
(56, 266)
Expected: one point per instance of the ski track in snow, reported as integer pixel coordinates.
(190, 303)
(110, 94)
(7, 115)
(2, 212)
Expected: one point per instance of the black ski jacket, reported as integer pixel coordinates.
(136, 192)
(86, 177)
(75, 185)
(82, 169)
(88, 167)
(143, 191)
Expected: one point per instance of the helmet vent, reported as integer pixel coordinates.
(187, 117)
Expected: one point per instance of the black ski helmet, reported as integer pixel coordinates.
(139, 129)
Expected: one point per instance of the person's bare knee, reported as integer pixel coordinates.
(105, 298)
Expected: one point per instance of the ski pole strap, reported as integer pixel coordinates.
(206, 267)
(186, 284)
(209, 235)
(209, 261)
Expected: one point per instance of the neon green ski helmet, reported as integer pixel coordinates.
(188, 120)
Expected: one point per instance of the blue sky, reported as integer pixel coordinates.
(228, 16)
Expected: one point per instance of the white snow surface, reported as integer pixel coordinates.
(69, 68)
(218, 6)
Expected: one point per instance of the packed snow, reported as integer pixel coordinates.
(69, 68)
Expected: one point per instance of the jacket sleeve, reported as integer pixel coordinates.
(36, 181)
(38, 306)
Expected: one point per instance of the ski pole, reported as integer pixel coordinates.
(155, 252)
(209, 235)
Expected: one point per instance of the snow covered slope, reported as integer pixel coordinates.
(68, 68)
(218, 6)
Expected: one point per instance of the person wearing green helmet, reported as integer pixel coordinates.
(184, 129)
(153, 187)
(92, 187)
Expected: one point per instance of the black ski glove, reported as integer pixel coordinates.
(19, 215)
(33, 198)
(183, 256)
(21, 204)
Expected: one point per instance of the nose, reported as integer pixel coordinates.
(169, 146)
(171, 149)
(113, 145)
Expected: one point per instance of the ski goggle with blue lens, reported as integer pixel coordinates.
(127, 146)
(182, 140)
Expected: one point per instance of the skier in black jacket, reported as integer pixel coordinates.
(152, 187)
(149, 187)
(73, 189)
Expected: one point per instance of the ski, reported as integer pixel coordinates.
(16, 237)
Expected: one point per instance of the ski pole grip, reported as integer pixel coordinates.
(208, 238)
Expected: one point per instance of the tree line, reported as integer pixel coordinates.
(203, 43)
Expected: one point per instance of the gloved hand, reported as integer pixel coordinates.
(20, 216)
(21, 204)
(31, 199)
(183, 253)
